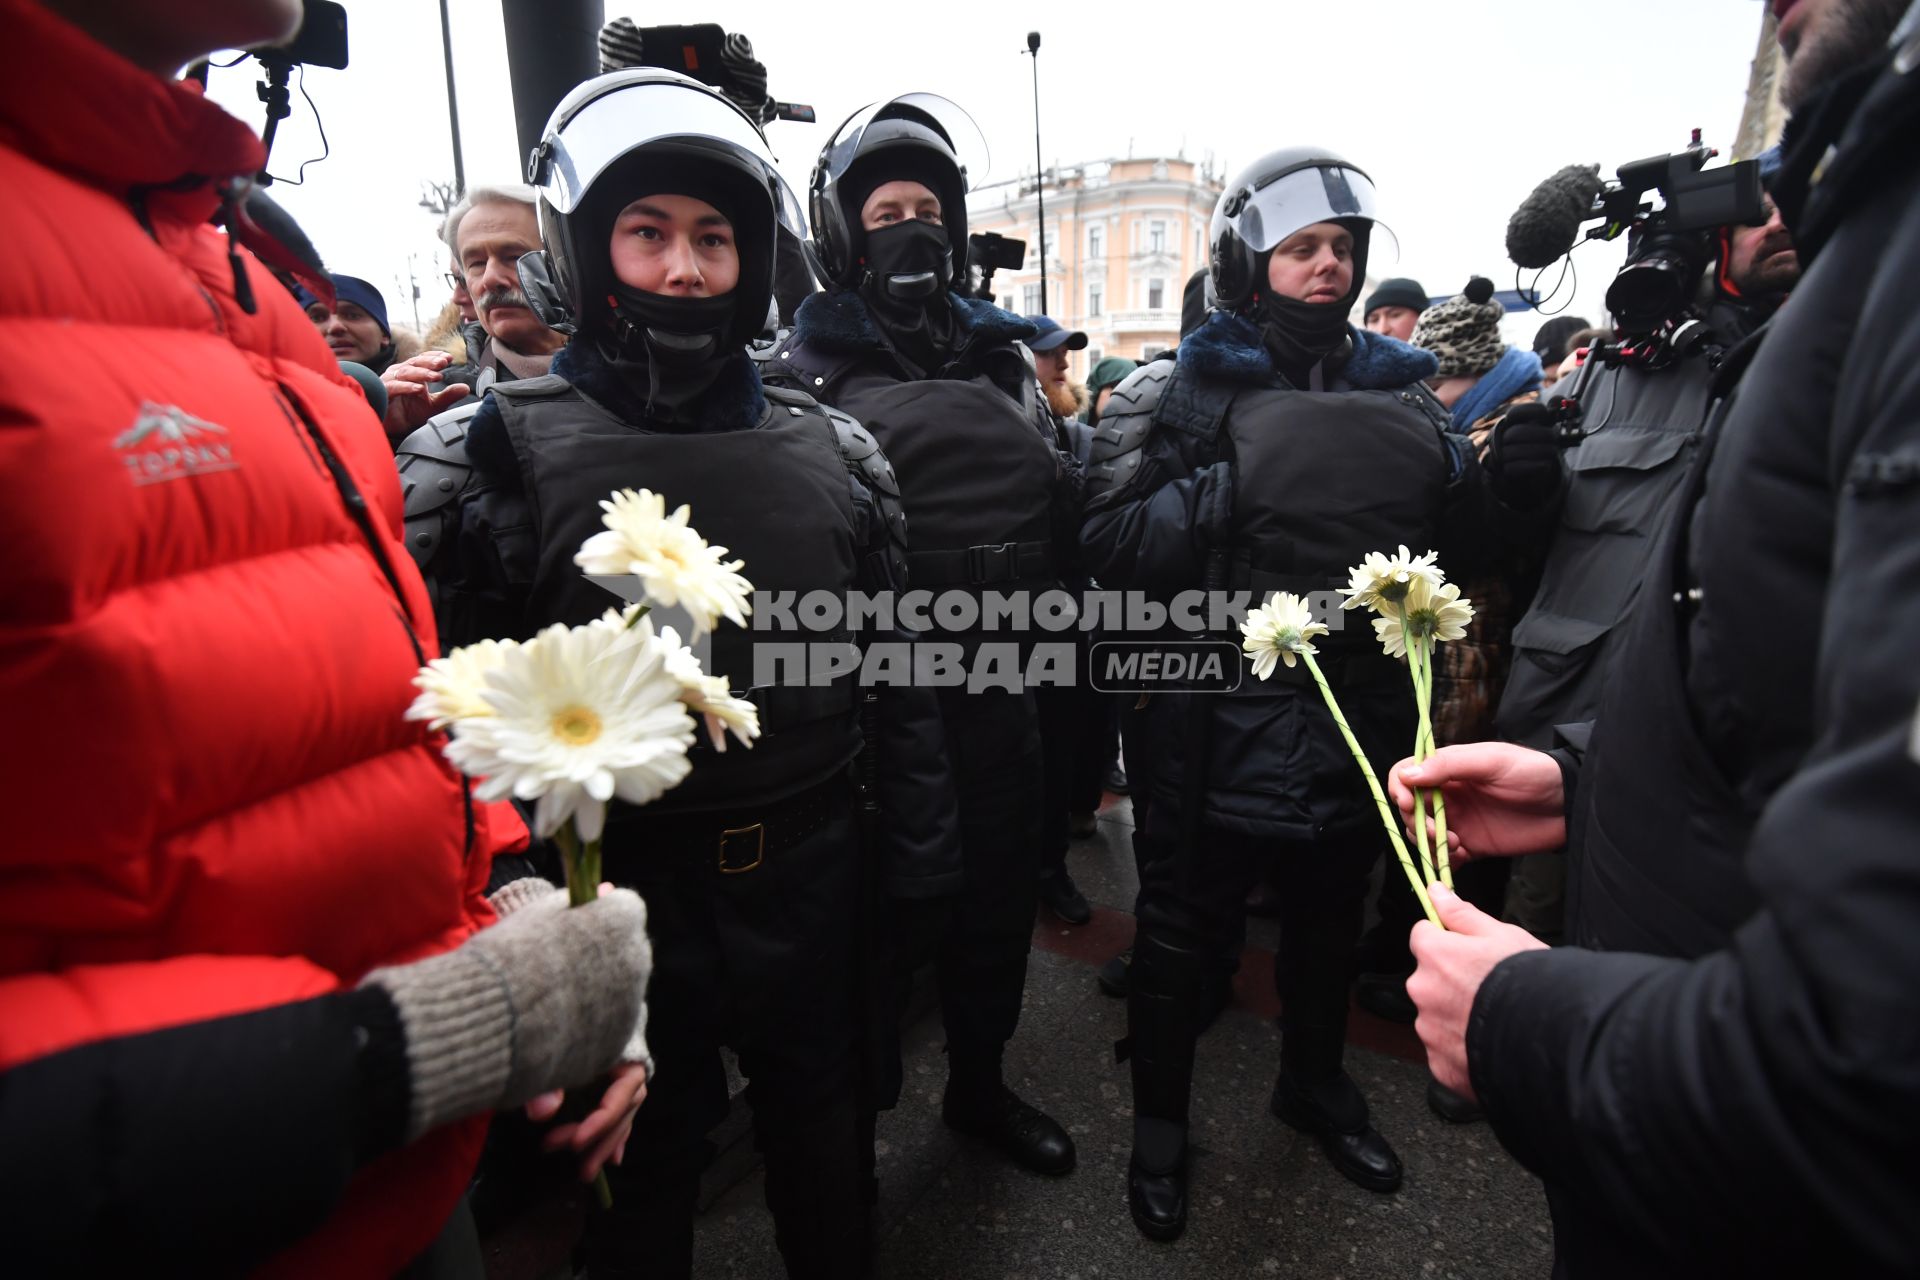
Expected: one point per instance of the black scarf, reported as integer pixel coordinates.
(674, 347)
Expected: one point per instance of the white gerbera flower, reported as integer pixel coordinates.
(1279, 631)
(673, 562)
(1436, 612)
(451, 688)
(704, 695)
(709, 696)
(1383, 579)
(580, 718)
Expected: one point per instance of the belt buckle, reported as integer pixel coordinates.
(758, 831)
(982, 566)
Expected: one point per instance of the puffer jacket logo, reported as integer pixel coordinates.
(167, 443)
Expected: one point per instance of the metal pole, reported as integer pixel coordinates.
(1039, 174)
(453, 103)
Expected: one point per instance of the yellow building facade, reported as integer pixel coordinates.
(1121, 239)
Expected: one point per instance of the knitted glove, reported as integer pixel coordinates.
(549, 998)
(515, 894)
(1525, 458)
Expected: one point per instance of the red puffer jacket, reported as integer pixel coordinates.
(208, 624)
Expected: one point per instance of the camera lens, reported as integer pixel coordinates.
(1657, 281)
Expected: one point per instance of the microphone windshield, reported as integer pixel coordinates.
(1543, 229)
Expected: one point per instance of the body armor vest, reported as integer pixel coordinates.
(776, 495)
(976, 475)
(1323, 477)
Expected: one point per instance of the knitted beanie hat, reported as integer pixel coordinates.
(1463, 331)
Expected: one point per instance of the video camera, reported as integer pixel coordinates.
(1667, 247)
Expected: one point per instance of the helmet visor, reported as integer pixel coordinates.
(948, 118)
(1271, 213)
(639, 115)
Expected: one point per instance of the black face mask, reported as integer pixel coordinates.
(908, 267)
(910, 261)
(680, 341)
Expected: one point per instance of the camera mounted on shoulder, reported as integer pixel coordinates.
(1668, 247)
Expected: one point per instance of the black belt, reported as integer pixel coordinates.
(978, 566)
(738, 840)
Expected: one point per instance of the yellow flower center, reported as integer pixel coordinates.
(576, 725)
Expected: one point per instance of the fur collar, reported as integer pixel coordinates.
(1228, 347)
(839, 322)
(732, 403)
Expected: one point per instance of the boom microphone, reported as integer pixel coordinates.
(1543, 229)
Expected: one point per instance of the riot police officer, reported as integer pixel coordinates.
(940, 382)
(659, 207)
(1278, 448)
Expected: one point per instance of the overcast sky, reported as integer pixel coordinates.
(1456, 109)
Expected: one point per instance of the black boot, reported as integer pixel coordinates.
(1335, 1112)
(1165, 987)
(979, 1104)
(817, 1181)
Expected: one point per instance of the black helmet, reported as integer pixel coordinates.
(1271, 199)
(921, 137)
(647, 125)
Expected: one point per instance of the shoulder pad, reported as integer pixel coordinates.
(862, 454)
(434, 470)
(796, 364)
(1115, 455)
(547, 386)
(789, 397)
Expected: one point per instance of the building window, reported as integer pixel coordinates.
(1030, 299)
(1093, 358)
(1096, 299)
(1150, 350)
(1006, 302)
(1156, 237)
(1096, 241)
(1156, 294)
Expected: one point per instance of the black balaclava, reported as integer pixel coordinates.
(1299, 335)
(675, 347)
(915, 315)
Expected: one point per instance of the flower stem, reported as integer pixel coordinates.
(1443, 862)
(1415, 660)
(1388, 817)
(581, 864)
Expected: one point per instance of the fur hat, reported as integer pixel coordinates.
(1464, 331)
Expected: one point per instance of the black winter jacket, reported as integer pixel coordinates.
(1744, 1096)
(1642, 428)
(1277, 766)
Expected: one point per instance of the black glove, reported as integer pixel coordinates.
(1524, 457)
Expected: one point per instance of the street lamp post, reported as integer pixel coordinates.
(453, 102)
(1039, 173)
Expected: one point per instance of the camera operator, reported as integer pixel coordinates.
(1728, 1082)
(1641, 424)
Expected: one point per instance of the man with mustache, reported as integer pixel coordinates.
(1722, 1078)
(489, 230)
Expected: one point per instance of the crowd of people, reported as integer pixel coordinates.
(280, 992)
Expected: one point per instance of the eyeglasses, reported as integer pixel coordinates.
(454, 280)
